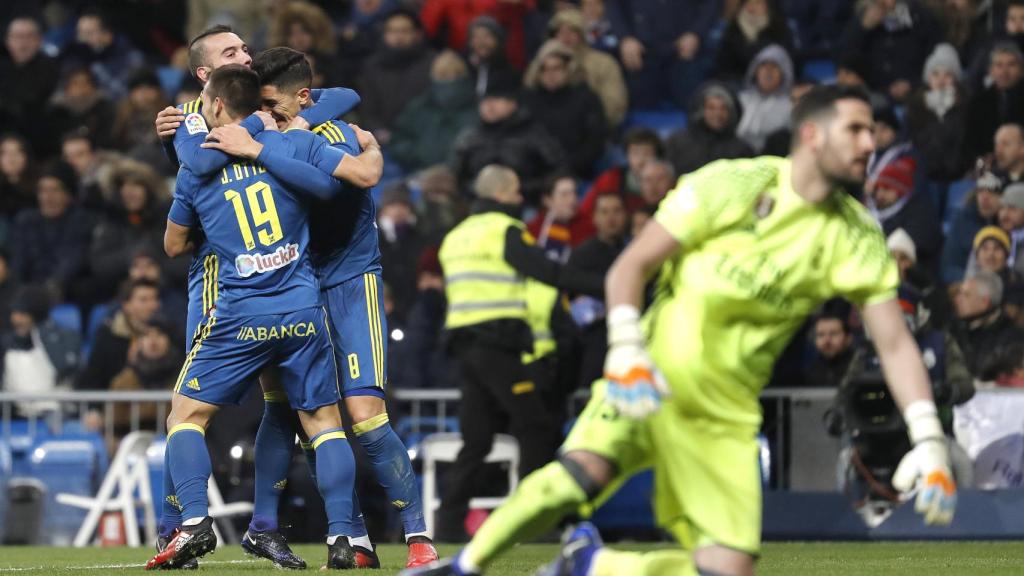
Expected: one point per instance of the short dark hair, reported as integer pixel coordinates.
(283, 67)
(128, 288)
(238, 87)
(643, 135)
(80, 133)
(196, 52)
(101, 16)
(404, 12)
(836, 315)
(820, 102)
(617, 195)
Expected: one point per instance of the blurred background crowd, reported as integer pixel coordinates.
(598, 105)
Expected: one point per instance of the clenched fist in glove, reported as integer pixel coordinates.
(635, 387)
(926, 466)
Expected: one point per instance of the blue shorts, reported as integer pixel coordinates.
(229, 354)
(202, 294)
(356, 309)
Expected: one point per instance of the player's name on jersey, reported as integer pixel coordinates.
(263, 333)
(240, 171)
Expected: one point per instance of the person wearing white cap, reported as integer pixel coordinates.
(903, 250)
(937, 115)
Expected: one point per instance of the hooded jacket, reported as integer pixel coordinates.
(765, 113)
(697, 144)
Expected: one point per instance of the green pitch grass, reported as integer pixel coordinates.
(790, 559)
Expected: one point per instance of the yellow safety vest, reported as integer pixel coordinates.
(540, 301)
(480, 285)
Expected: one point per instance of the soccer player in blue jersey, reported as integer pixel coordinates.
(184, 129)
(347, 258)
(268, 313)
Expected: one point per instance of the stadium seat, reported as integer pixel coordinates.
(6, 469)
(445, 447)
(68, 467)
(822, 71)
(24, 435)
(955, 195)
(664, 122)
(67, 316)
(97, 316)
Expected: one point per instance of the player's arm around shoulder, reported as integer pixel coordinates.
(363, 163)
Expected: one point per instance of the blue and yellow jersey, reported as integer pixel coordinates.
(344, 229)
(257, 229)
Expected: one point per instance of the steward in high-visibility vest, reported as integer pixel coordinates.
(486, 260)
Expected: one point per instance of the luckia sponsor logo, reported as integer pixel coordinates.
(248, 264)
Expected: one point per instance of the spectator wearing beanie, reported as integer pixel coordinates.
(903, 250)
(53, 238)
(980, 209)
(893, 204)
(765, 99)
(485, 54)
(710, 134)
(1011, 220)
(992, 254)
(937, 116)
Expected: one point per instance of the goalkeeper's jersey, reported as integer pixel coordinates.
(756, 260)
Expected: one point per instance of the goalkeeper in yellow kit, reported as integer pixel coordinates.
(744, 250)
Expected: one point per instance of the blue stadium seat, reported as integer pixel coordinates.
(64, 466)
(67, 316)
(96, 441)
(155, 459)
(427, 425)
(170, 79)
(955, 195)
(823, 71)
(664, 122)
(24, 436)
(97, 316)
(6, 471)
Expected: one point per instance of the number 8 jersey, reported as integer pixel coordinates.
(257, 229)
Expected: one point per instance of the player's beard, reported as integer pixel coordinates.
(839, 173)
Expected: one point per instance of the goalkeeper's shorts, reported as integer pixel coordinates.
(707, 485)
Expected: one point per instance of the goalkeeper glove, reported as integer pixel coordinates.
(635, 387)
(926, 466)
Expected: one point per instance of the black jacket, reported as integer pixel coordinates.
(390, 80)
(988, 110)
(49, 250)
(518, 142)
(939, 141)
(574, 116)
(981, 341)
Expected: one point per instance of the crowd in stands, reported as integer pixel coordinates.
(598, 105)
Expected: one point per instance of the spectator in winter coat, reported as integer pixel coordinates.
(980, 209)
(662, 46)
(601, 72)
(984, 326)
(992, 254)
(52, 239)
(34, 73)
(756, 25)
(110, 57)
(79, 104)
(597, 28)
(509, 136)
(429, 123)
(400, 246)
(896, 36)
(17, 178)
(568, 109)
(140, 302)
(440, 207)
(833, 346)
(395, 73)
(893, 203)
(154, 360)
(1011, 220)
(765, 100)
(1008, 152)
(134, 221)
(1000, 102)
(937, 116)
(485, 54)
(558, 226)
(710, 133)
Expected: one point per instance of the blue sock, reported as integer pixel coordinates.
(394, 470)
(358, 524)
(335, 477)
(189, 462)
(273, 456)
(170, 513)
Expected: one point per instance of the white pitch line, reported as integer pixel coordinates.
(115, 566)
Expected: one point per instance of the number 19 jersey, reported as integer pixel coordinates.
(258, 230)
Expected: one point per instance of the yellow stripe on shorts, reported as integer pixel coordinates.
(204, 333)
